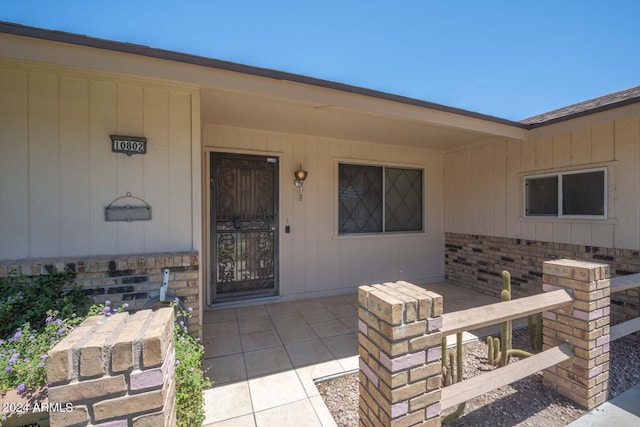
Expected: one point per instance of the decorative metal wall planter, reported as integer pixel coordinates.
(127, 213)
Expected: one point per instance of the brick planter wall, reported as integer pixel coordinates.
(115, 371)
(400, 355)
(131, 279)
(476, 262)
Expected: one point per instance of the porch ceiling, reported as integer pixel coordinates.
(327, 120)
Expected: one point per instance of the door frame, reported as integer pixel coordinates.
(207, 262)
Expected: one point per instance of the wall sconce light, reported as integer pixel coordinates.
(300, 176)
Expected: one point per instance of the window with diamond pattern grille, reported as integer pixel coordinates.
(363, 206)
(403, 199)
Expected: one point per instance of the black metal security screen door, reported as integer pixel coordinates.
(244, 226)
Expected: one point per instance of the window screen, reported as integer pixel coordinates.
(542, 195)
(583, 193)
(403, 199)
(574, 193)
(363, 206)
(360, 199)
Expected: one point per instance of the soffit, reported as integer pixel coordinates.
(327, 120)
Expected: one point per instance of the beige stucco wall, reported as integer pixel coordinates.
(57, 171)
(484, 183)
(313, 258)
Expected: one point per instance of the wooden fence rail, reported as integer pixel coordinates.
(458, 393)
(624, 283)
(620, 284)
(478, 317)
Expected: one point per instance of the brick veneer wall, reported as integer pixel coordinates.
(131, 279)
(476, 262)
(117, 371)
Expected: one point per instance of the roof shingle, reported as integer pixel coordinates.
(616, 99)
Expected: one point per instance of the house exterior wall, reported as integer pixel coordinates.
(486, 232)
(484, 183)
(313, 258)
(57, 171)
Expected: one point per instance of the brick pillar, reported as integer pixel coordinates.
(400, 352)
(584, 325)
(115, 371)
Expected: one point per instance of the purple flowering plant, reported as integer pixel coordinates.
(105, 309)
(23, 353)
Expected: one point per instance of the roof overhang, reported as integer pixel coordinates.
(241, 95)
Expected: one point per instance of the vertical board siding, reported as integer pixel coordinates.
(499, 188)
(473, 194)
(312, 258)
(44, 165)
(527, 155)
(544, 153)
(627, 145)
(156, 179)
(581, 146)
(544, 231)
(58, 171)
(75, 188)
(562, 150)
(14, 164)
(488, 187)
(448, 191)
(102, 179)
(513, 184)
(476, 201)
(562, 232)
(602, 148)
(180, 187)
(130, 178)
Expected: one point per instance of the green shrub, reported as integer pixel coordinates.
(190, 379)
(25, 300)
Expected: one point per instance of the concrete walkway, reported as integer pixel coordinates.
(622, 411)
(265, 358)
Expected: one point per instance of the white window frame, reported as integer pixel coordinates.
(560, 194)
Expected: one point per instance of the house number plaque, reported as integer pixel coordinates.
(128, 144)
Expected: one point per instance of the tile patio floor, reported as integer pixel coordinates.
(264, 358)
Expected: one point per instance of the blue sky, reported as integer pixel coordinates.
(511, 59)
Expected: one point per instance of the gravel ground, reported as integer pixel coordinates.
(524, 403)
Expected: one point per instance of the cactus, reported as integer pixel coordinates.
(452, 363)
(499, 349)
(505, 338)
(535, 337)
(539, 331)
(459, 356)
(459, 376)
(490, 349)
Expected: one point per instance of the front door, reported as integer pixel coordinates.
(244, 226)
